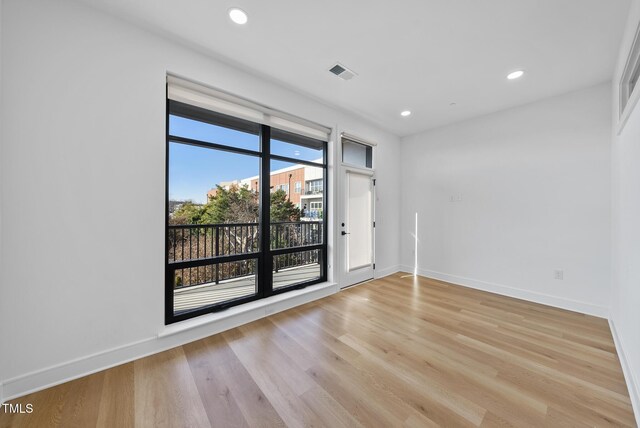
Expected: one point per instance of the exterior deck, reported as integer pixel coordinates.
(208, 294)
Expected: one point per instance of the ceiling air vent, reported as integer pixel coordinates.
(342, 72)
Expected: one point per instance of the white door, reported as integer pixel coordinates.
(357, 227)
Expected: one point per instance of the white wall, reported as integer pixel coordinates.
(3, 343)
(531, 195)
(82, 181)
(625, 305)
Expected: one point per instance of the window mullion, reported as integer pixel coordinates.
(266, 261)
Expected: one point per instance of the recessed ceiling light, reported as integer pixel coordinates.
(238, 16)
(515, 75)
(405, 113)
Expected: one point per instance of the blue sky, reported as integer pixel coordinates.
(195, 170)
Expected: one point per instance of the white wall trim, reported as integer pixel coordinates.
(83, 366)
(626, 113)
(632, 58)
(632, 385)
(380, 273)
(545, 299)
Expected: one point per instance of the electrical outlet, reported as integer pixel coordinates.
(558, 274)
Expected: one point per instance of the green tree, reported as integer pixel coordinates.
(234, 205)
(237, 204)
(282, 209)
(187, 213)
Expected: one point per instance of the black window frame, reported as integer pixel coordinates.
(265, 255)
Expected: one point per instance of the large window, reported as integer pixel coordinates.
(237, 230)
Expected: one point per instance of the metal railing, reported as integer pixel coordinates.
(188, 243)
(204, 241)
(288, 234)
(291, 260)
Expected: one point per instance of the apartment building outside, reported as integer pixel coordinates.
(302, 184)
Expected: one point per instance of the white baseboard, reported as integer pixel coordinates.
(170, 337)
(632, 384)
(532, 296)
(379, 273)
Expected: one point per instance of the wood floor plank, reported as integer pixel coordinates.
(71, 404)
(364, 402)
(328, 410)
(398, 351)
(165, 392)
(208, 373)
(82, 404)
(117, 400)
(283, 389)
(230, 395)
(429, 398)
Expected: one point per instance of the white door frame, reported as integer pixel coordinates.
(347, 279)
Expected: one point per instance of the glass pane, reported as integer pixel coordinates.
(357, 154)
(296, 204)
(297, 147)
(201, 131)
(294, 268)
(202, 286)
(213, 203)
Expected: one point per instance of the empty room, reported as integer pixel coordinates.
(244, 213)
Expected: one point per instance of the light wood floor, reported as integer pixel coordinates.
(393, 352)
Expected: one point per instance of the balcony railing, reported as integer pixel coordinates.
(188, 243)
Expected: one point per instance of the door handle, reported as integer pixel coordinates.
(345, 233)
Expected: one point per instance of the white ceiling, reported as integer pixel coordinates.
(420, 55)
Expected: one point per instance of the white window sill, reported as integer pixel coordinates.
(256, 309)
